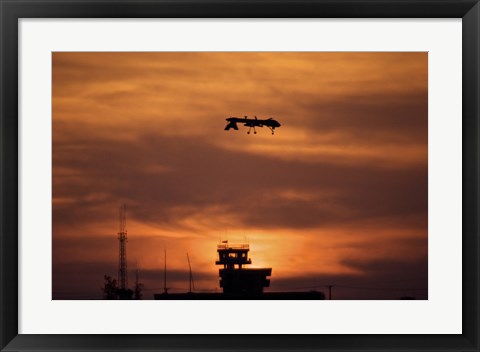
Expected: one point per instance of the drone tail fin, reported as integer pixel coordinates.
(231, 125)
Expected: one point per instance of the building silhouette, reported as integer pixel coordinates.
(234, 278)
(239, 282)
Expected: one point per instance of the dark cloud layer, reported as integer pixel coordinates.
(241, 183)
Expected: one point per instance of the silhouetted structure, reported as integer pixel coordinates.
(137, 292)
(190, 279)
(308, 295)
(239, 282)
(165, 288)
(330, 291)
(119, 289)
(122, 257)
(236, 280)
(111, 291)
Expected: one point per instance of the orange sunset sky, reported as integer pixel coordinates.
(338, 196)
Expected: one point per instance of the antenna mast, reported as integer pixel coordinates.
(191, 283)
(122, 239)
(165, 289)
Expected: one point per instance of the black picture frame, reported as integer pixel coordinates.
(11, 11)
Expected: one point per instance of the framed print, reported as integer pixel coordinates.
(246, 179)
(239, 176)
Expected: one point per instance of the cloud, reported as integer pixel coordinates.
(195, 176)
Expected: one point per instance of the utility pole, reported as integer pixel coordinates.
(330, 291)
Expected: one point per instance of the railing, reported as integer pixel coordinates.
(233, 246)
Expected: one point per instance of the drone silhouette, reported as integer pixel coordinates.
(252, 123)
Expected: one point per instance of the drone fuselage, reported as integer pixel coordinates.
(252, 123)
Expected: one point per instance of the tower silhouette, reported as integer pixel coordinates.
(234, 278)
(122, 257)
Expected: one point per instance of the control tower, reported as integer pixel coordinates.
(236, 280)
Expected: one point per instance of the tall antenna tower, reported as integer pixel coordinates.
(122, 239)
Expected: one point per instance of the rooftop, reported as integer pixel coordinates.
(233, 246)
